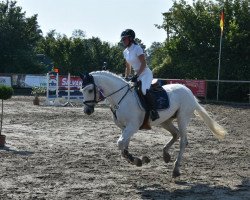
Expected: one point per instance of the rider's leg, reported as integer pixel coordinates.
(146, 79)
(152, 107)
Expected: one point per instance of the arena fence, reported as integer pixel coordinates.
(67, 87)
(229, 90)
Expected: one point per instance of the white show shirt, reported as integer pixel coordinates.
(131, 56)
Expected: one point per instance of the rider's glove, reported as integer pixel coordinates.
(134, 78)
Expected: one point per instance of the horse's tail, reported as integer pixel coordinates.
(218, 131)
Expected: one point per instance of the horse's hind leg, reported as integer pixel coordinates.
(182, 120)
(168, 125)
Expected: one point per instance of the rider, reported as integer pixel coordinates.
(135, 58)
(104, 67)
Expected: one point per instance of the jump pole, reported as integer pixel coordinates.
(47, 92)
(68, 87)
(57, 88)
(57, 85)
(69, 103)
(56, 101)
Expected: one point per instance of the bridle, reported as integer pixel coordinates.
(96, 88)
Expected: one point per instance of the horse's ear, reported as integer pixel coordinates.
(90, 78)
(81, 76)
(86, 79)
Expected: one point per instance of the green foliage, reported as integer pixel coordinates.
(78, 54)
(18, 38)
(6, 92)
(38, 91)
(193, 41)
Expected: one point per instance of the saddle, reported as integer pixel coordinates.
(161, 100)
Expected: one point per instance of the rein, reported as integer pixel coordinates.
(118, 91)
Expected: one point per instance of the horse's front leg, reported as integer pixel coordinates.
(123, 143)
(131, 159)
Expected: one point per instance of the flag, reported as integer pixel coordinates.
(222, 20)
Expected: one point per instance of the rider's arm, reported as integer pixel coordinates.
(143, 64)
(127, 70)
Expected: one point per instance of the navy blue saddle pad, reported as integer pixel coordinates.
(161, 98)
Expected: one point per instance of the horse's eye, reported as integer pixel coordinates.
(90, 91)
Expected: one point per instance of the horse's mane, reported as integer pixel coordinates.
(109, 74)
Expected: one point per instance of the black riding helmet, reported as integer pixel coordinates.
(128, 33)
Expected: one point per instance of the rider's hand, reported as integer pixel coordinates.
(134, 78)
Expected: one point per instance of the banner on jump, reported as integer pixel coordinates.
(75, 82)
(65, 87)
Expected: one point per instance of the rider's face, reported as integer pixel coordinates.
(126, 41)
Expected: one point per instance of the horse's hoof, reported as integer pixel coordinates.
(138, 162)
(166, 157)
(145, 159)
(176, 174)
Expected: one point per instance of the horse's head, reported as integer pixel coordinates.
(100, 85)
(91, 94)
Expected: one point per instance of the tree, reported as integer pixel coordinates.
(78, 54)
(18, 38)
(78, 33)
(191, 50)
(236, 48)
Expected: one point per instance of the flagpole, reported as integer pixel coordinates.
(218, 79)
(221, 34)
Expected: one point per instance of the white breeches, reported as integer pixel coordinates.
(146, 78)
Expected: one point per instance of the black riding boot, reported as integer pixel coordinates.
(152, 107)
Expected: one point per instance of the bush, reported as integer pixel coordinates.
(6, 92)
(38, 91)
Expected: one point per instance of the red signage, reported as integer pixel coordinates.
(75, 82)
(198, 87)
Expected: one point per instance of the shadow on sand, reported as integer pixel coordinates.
(197, 191)
(14, 151)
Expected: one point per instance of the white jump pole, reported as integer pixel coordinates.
(47, 92)
(56, 101)
(68, 87)
(57, 84)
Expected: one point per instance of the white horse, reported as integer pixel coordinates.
(129, 116)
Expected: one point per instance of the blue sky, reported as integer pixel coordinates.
(105, 19)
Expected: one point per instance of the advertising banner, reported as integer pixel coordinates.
(5, 80)
(198, 87)
(75, 82)
(35, 81)
(28, 81)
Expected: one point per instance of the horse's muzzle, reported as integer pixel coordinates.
(89, 109)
